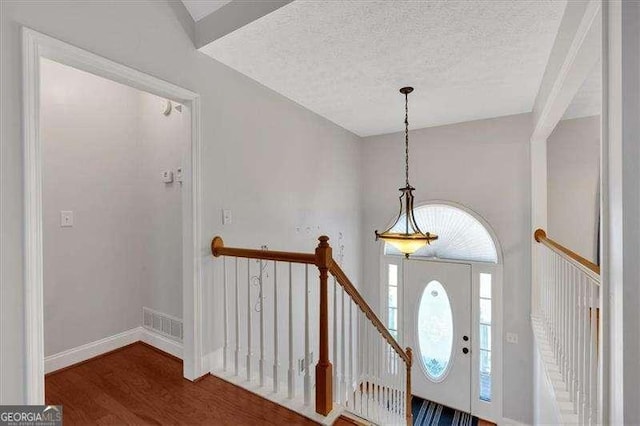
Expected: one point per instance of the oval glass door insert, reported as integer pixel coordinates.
(435, 331)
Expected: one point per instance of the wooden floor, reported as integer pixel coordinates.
(139, 385)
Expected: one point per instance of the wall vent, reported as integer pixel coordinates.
(163, 324)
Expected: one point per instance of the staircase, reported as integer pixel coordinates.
(567, 329)
(310, 344)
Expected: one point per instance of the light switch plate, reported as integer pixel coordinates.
(512, 338)
(66, 219)
(167, 176)
(226, 216)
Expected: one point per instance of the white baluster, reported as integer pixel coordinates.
(249, 319)
(307, 377)
(236, 360)
(580, 348)
(401, 373)
(574, 339)
(261, 305)
(565, 319)
(593, 376)
(275, 326)
(367, 364)
(386, 389)
(343, 363)
(376, 374)
(398, 365)
(291, 373)
(583, 350)
(565, 322)
(351, 398)
(225, 349)
(557, 309)
(360, 363)
(334, 358)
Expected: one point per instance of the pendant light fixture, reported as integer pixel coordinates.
(404, 234)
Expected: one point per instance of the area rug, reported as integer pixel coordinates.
(427, 413)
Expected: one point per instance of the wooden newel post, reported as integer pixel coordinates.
(408, 410)
(324, 369)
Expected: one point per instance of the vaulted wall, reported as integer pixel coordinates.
(483, 165)
(287, 174)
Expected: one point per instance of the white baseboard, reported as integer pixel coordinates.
(90, 350)
(161, 342)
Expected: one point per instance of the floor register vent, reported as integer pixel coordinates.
(163, 324)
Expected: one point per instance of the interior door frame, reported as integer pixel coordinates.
(36, 45)
(493, 410)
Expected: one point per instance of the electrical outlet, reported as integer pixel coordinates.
(301, 363)
(512, 338)
(66, 219)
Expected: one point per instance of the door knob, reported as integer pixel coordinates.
(465, 338)
(465, 351)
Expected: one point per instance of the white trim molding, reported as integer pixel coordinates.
(574, 54)
(35, 46)
(93, 349)
(620, 232)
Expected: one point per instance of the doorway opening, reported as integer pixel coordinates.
(112, 207)
(446, 303)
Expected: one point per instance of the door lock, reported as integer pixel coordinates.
(465, 338)
(465, 351)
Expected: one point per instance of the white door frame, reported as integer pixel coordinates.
(35, 46)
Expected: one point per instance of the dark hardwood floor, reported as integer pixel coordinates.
(139, 385)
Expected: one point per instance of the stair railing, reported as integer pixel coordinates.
(568, 319)
(369, 373)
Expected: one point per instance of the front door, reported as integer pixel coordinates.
(437, 323)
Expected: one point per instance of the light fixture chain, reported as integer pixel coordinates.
(406, 137)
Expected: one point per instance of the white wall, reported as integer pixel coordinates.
(573, 173)
(88, 128)
(162, 140)
(275, 164)
(483, 165)
(105, 145)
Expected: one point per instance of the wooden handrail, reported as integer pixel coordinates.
(541, 237)
(351, 290)
(218, 249)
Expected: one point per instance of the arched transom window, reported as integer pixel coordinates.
(461, 236)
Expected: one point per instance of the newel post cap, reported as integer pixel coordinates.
(409, 352)
(324, 253)
(539, 235)
(216, 244)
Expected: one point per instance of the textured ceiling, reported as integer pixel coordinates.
(588, 100)
(201, 8)
(345, 60)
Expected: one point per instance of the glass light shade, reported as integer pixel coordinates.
(406, 246)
